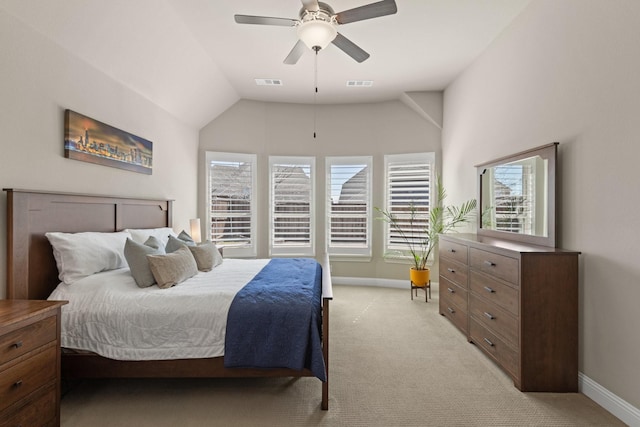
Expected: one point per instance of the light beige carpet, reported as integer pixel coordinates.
(393, 362)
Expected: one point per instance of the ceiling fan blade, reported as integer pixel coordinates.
(295, 53)
(350, 48)
(368, 11)
(310, 5)
(265, 20)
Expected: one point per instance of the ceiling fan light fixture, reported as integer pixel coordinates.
(317, 33)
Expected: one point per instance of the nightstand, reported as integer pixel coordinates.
(30, 362)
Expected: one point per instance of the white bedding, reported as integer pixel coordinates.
(110, 315)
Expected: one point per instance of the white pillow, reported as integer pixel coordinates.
(80, 255)
(140, 235)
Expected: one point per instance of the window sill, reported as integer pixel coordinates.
(404, 260)
(349, 258)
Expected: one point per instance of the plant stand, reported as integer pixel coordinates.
(427, 290)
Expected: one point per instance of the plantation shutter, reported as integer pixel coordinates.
(232, 202)
(514, 187)
(349, 205)
(408, 187)
(292, 201)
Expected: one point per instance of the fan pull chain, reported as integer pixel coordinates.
(315, 93)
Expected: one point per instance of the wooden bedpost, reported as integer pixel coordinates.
(325, 351)
(327, 295)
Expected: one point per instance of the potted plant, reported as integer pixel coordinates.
(421, 239)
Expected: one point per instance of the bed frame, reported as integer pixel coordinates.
(32, 274)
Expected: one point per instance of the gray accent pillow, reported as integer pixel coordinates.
(206, 255)
(136, 256)
(175, 243)
(186, 237)
(155, 243)
(172, 268)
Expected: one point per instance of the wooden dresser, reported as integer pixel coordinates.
(29, 363)
(518, 303)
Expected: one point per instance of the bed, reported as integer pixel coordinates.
(32, 274)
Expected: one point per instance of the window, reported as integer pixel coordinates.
(231, 192)
(291, 183)
(348, 205)
(513, 197)
(407, 189)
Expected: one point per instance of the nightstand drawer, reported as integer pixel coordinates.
(497, 265)
(40, 411)
(22, 378)
(453, 250)
(23, 340)
(495, 291)
(454, 272)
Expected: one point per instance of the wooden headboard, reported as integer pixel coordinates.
(31, 267)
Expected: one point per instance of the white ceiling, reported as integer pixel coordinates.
(193, 60)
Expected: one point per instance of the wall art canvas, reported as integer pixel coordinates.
(92, 141)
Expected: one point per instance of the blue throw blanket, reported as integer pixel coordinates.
(275, 320)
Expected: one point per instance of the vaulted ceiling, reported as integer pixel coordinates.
(192, 59)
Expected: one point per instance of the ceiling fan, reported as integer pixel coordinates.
(317, 26)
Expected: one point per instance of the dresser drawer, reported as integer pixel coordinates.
(24, 377)
(495, 291)
(497, 320)
(39, 411)
(457, 315)
(503, 354)
(452, 250)
(22, 341)
(500, 266)
(454, 293)
(454, 272)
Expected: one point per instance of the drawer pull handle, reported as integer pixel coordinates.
(16, 344)
(488, 289)
(488, 342)
(489, 315)
(452, 251)
(17, 384)
(451, 291)
(451, 310)
(451, 270)
(490, 264)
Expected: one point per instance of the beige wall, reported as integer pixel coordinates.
(38, 80)
(342, 130)
(567, 71)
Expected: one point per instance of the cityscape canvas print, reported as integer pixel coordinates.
(92, 141)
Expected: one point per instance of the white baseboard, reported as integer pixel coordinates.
(622, 409)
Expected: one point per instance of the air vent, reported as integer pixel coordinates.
(359, 83)
(269, 82)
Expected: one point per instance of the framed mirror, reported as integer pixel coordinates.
(517, 196)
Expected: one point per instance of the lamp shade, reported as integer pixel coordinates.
(194, 225)
(317, 33)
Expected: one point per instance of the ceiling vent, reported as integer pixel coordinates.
(269, 82)
(359, 83)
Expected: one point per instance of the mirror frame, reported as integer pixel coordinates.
(548, 152)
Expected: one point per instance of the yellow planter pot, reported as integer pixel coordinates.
(419, 277)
